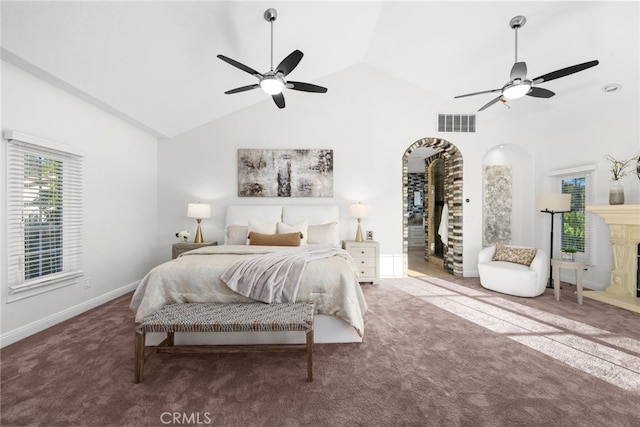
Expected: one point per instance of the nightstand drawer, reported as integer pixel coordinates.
(367, 272)
(365, 262)
(362, 252)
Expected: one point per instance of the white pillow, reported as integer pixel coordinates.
(262, 227)
(321, 234)
(283, 228)
(236, 235)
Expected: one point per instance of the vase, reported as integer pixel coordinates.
(567, 256)
(616, 193)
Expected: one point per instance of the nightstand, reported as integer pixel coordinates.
(181, 247)
(366, 254)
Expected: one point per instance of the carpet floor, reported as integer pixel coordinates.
(435, 353)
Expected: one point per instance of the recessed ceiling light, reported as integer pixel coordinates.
(611, 87)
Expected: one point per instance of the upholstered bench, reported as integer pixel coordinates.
(216, 317)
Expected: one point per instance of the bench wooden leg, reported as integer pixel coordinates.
(140, 355)
(310, 356)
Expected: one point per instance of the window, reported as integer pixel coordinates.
(44, 215)
(576, 226)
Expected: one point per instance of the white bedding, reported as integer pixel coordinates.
(329, 283)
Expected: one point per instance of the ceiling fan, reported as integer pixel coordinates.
(519, 85)
(273, 81)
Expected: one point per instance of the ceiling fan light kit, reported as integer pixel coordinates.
(518, 85)
(273, 82)
(516, 89)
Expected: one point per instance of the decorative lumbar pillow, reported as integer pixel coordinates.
(284, 239)
(236, 235)
(321, 234)
(261, 227)
(522, 256)
(301, 227)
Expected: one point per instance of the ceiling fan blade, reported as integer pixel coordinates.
(240, 66)
(490, 103)
(289, 63)
(478, 93)
(539, 92)
(519, 71)
(565, 72)
(305, 87)
(278, 98)
(242, 89)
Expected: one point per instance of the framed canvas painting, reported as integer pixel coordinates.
(285, 173)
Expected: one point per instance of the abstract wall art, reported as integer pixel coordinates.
(285, 173)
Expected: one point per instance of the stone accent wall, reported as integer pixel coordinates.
(496, 205)
(453, 197)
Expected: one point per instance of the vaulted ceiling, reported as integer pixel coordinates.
(154, 63)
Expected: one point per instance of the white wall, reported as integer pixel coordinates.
(120, 198)
(618, 134)
(368, 129)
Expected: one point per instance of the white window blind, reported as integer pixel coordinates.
(44, 215)
(577, 227)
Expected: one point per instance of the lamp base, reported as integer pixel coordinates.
(198, 238)
(359, 232)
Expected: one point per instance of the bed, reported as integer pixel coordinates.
(329, 281)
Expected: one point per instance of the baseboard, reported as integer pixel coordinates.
(49, 321)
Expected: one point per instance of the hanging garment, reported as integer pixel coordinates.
(444, 225)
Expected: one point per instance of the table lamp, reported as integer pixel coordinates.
(359, 211)
(198, 211)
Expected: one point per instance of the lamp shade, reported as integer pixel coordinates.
(555, 202)
(198, 210)
(359, 210)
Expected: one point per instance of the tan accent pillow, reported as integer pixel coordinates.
(522, 256)
(284, 239)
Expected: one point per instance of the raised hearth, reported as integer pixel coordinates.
(624, 229)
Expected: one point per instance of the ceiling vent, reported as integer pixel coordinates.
(456, 122)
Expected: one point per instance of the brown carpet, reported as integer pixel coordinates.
(419, 365)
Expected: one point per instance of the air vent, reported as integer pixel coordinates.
(456, 122)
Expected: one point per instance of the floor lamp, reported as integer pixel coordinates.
(553, 204)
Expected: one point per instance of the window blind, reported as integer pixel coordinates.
(44, 215)
(577, 227)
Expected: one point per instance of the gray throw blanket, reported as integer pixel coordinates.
(275, 277)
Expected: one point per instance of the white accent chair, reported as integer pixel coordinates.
(511, 278)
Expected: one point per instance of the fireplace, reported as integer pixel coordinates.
(624, 230)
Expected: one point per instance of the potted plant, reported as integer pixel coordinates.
(567, 253)
(618, 171)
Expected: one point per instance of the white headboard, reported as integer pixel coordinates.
(315, 214)
(290, 214)
(242, 214)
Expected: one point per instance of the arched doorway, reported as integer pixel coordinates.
(453, 175)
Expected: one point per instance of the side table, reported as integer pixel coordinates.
(557, 264)
(178, 248)
(366, 255)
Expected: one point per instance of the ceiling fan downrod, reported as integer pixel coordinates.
(515, 23)
(270, 15)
